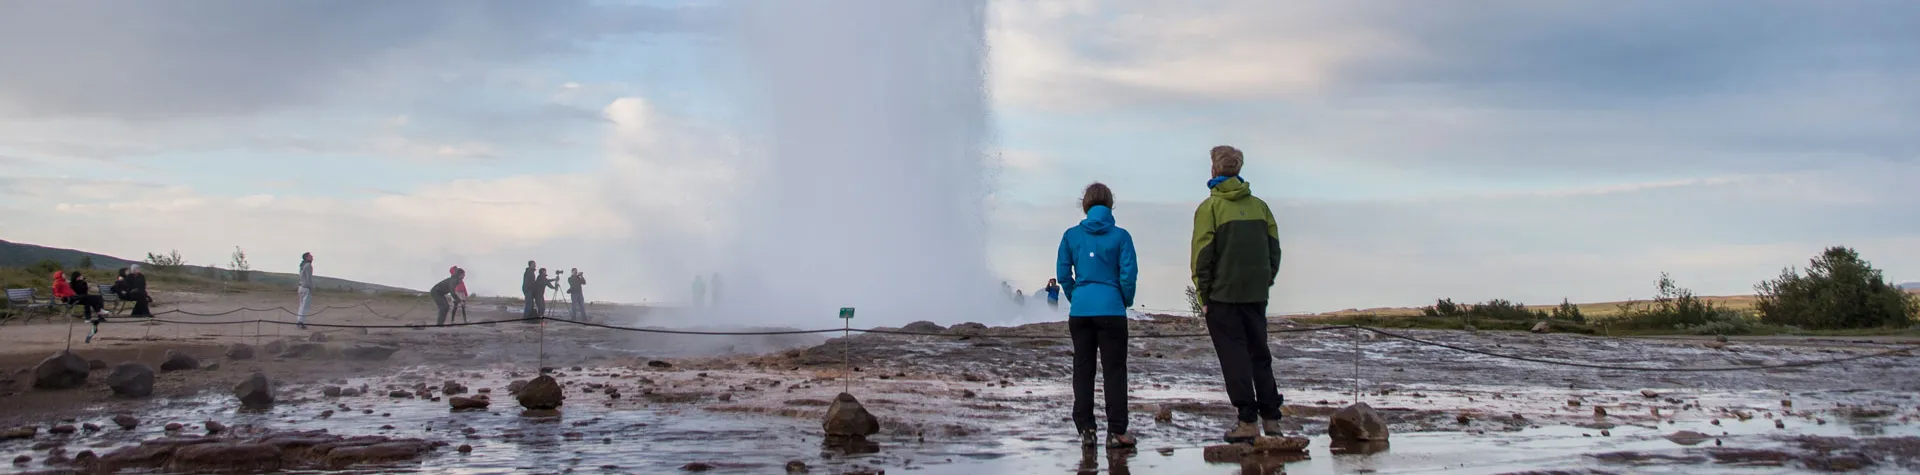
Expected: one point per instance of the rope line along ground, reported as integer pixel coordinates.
(1449, 346)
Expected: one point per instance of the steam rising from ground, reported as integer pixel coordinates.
(860, 183)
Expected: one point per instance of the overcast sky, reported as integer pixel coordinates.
(1528, 150)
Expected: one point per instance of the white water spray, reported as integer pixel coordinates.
(865, 168)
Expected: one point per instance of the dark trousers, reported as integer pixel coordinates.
(1239, 332)
(93, 303)
(140, 300)
(527, 295)
(1106, 339)
(440, 301)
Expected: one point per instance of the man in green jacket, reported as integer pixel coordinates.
(1236, 255)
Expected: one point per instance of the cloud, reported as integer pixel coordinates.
(114, 60)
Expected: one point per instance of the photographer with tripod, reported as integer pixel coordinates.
(579, 309)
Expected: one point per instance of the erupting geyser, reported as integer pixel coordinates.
(864, 167)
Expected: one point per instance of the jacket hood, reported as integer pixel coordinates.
(1230, 189)
(1099, 220)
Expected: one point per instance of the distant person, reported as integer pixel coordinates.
(1236, 256)
(306, 288)
(1053, 294)
(83, 293)
(542, 283)
(1097, 270)
(1019, 298)
(441, 291)
(64, 292)
(577, 294)
(459, 292)
(131, 286)
(699, 292)
(1005, 289)
(528, 292)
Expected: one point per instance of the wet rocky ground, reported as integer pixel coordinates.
(979, 400)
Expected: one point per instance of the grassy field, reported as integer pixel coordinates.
(1600, 310)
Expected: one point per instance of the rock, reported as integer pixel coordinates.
(467, 404)
(173, 426)
(846, 417)
(541, 394)
(255, 392)
(90, 427)
(515, 385)
(970, 328)
(694, 467)
(452, 388)
(211, 367)
(63, 370)
(317, 337)
(126, 422)
(659, 364)
(1779, 423)
(1714, 345)
(1280, 444)
(1357, 423)
(63, 429)
(400, 394)
(465, 449)
(796, 466)
(1687, 437)
(177, 361)
(22, 460)
(131, 380)
(1649, 394)
(924, 327)
(727, 397)
(96, 364)
(225, 457)
(1599, 411)
(215, 427)
(1164, 415)
(1542, 327)
(276, 347)
(343, 457)
(330, 391)
(350, 392)
(968, 393)
(240, 351)
(18, 433)
(1720, 338)
(301, 349)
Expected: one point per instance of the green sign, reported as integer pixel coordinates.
(846, 312)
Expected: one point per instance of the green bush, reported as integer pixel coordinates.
(1838, 290)
(1567, 311)
(1677, 308)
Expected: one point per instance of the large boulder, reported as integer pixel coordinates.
(63, 370)
(240, 351)
(541, 393)
(275, 347)
(256, 392)
(364, 352)
(177, 361)
(462, 403)
(1542, 327)
(131, 380)
(924, 327)
(1357, 423)
(847, 418)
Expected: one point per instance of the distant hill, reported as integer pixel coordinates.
(15, 254)
(1910, 287)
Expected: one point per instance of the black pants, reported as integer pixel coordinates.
(140, 301)
(1239, 332)
(440, 301)
(1105, 337)
(93, 303)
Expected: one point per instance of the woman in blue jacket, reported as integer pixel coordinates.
(1097, 271)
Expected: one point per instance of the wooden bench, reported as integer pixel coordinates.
(110, 301)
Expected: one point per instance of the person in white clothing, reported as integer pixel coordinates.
(306, 287)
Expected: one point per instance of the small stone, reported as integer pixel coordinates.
(177, 361)
(96, 365)
(1779, 423)
(330, 391)
(1164, 415)
(173, 426)
(726, 397)
(1786, 403)
(459, 403)
(400, 394)
(659, 364)
(329, 413)
(968, 393)
(1463, 419)
(90, 427)
(1573, 403)
(691, 467)
(239, 351)
(1714, 422)
(465, 449)
(1649, 394)
(1605, 433)
(1599, 411)
(126, 422)
(16, 433)
(21, 460)
(796, 466)
(62, 429)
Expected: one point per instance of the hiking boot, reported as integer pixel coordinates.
(1271, 427)
(1243, 432)
(1087, 438)
(1119, 441)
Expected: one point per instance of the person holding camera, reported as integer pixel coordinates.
(579, 309)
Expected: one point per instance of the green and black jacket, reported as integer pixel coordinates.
(1236, 246)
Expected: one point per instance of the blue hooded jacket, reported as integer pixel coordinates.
(1096, 268)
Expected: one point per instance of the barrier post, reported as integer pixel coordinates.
(846, 349)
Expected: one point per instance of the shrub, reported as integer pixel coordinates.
(1193, 301)
(1677, 308)
(1569, 312)
(1838, 290)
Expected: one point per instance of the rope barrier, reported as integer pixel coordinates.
(880, 331)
